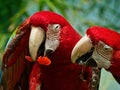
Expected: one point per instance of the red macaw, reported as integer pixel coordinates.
(100, 47)
(38, 57)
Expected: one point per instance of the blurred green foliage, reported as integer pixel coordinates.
(80, 13)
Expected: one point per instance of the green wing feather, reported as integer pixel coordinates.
(12, 36)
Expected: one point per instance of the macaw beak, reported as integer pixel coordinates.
(38, 43)
(82, 52)
(37, 36)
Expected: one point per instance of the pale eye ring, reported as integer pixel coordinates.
(56, 27)
(107, 48)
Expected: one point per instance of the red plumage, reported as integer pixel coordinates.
(61, 74)
(65, 75)
(111, 38)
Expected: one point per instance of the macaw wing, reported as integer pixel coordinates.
(14, 63)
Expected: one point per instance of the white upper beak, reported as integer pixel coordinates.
(34, 43)
(81, 48)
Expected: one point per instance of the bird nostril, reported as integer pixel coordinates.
(48, 52)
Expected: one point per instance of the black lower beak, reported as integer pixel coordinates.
(42, 51)
(48, 52)
(91, 62)
(87, 59)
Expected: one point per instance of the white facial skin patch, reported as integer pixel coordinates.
(102, 55)
(52, 37)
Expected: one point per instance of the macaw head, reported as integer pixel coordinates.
(44, 34)
(100, 47)
(51, 34)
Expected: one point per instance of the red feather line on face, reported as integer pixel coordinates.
(108, 36)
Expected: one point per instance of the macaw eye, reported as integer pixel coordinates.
(102, 54)
(56, 27)
(107, 48)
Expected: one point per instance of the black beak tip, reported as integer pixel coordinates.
(48, 52)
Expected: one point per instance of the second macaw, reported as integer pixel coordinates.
(100, 47)
(38, 56)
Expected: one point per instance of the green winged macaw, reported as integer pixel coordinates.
(38, 56)
(100, 47)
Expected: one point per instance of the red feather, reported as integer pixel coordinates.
(110, 37)
(61, 74)
(14, 62)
